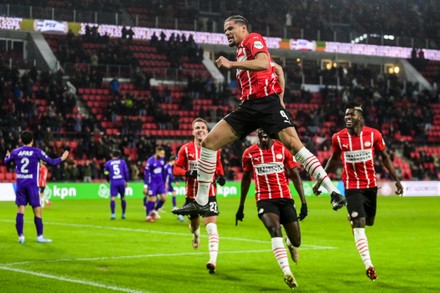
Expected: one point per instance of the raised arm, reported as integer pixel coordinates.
(260, 63)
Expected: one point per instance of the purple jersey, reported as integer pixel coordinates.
(154, 170)
(169, 177)
(153, 176)
(27, 164)
(117, 170)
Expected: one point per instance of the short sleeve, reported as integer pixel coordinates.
(246, 161)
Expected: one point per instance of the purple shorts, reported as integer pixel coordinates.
(156, 188)
(117, 187)
(27, 195)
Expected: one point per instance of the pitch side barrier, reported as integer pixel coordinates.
(74, 190)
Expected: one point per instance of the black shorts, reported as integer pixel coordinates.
(213, 208)
(42, 189)
(361, 202)
(266, 113)
(283, 207)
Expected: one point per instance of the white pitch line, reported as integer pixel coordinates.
(303, 246)
(129, 257)
(71, 280)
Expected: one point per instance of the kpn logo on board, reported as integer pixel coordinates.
(61, 192)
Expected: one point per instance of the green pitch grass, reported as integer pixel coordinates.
(91, 253)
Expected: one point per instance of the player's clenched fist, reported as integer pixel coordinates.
(222, 62)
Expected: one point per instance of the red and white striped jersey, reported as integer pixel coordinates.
(269, 168)
(357, 156)
(255, 84)
(187, 159)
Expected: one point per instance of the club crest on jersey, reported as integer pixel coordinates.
(367, 144)
(279, 156)
(258, 45)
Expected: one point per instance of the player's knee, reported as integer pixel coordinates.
(211, 228)
(358, 222)
(208, 143)
(274, 231)
(369, 221)
(296, 242)
(291, 142)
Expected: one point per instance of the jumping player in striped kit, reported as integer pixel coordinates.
(186, 165)
(355, 146)
(262, 91)
(269, 160)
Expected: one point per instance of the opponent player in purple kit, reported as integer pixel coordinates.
(27, 166)
(117, 171)
(154, 184)
(169, 180)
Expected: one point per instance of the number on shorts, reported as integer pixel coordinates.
(213, 207)
(284, 115)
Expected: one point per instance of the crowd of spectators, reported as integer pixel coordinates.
(403, 19)
(404, 110)
(177, 47)
(105, 52)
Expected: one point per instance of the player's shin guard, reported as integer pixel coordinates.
(19, 223)
(39, 225)
(123, 205)
(150, 207)
(315, 169)
(159, 204)
(112, 206)
(361, 241)
(205, 173)
(211, 228)
(280, 253)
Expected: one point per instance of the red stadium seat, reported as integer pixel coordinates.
(9, 176)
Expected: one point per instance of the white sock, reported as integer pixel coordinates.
(360, 238)
(205, 172)
(314, 168)
(211, 228)
(281, 254)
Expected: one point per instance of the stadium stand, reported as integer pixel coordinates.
(337, 20)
